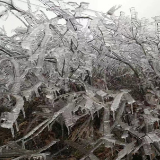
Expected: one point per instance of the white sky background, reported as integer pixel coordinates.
(145, 8)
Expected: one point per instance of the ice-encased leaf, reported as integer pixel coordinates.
(89, 103)
(110, 139)
(116, 101)
(28, 93)
(19, 104)
(8, 119)
(50, 96)
(93, 157)
(20, 30)
(84, 5)
(124, 135)
(11, 117)
(151, 99)
(73, 4)
(92, 106)
(32, 40)
(129, 98)
(125, 126)
(68, 116)
(4, 13)
(153, 137)
(146, 145)
(30, 19)
(113, 9)
(127, 149)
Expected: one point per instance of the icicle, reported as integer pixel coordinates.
(68, 128)
(51, 125)
(62, 128)
(150, 157)
(36, 92)
(132, 107)
(158, 144)
(55, 94)
(135, 115)
(112, 150)
(9, 98)
(125, 135)
(27, 97)
(92, 134)
(23, 112)
(12, 131)
(52, 102)
(72, 118)
(17, 127)
(23, 144)
(152, 126)
(146, 128)
(98, 113)
(113, 115)
(48, 127)
(91, 114)
(103, 100)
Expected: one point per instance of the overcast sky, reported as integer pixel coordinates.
(145, 8)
